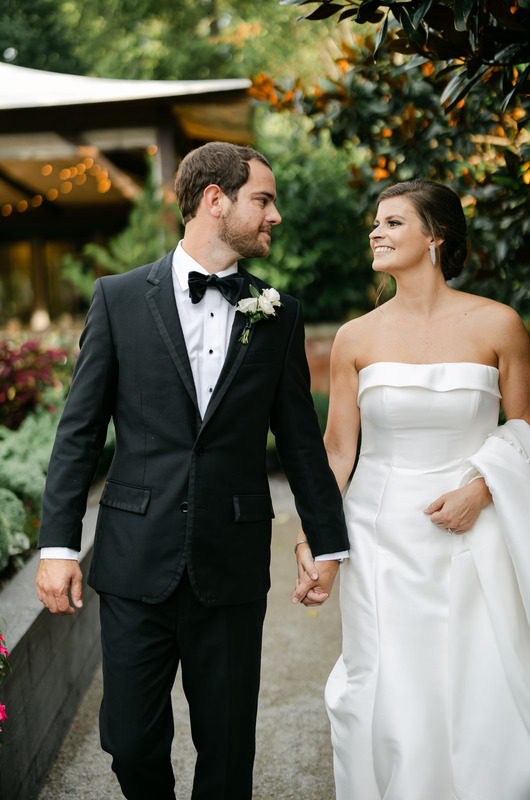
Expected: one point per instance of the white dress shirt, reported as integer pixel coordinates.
(206, 327)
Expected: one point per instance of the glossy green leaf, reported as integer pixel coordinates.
(520, 81)
(324, 12)
(420, 12)
(381, 35)
(366, 9)
(463, 9)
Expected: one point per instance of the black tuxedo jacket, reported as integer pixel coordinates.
(183, 490)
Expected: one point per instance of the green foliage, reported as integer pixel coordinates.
(24, 457)
(149, 234)
(33, 33)
(158, 39)
(4, 547)
(317, 252)
(393, 113)
(25, 454)
(477, 41)
(13, 540)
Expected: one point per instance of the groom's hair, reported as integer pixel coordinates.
(220, 163)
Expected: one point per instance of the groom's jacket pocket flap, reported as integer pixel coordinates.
(253, 507)
(125, 497)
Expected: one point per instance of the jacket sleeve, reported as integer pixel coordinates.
(301, 449)
(82, 431)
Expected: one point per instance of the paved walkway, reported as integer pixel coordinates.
(294, 757)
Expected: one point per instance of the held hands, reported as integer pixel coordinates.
(55, 578)
(458, 511)
(313, 587)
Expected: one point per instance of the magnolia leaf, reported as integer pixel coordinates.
(439, 17)
(416, 35)
(351, 12)
(323, 12)
(419, 13)
(296, 2)
(381, 35)
(463, 9)
(401, 46)
(458, 87)
(513, 54)
(366, 9)
(520, 81)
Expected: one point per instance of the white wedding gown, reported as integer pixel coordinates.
(419, 702)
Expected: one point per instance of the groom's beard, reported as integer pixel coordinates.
(243, 238)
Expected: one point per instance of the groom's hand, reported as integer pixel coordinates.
(311, 591)
(56, 577)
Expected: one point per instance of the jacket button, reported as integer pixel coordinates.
(184, 508)
(199, 451)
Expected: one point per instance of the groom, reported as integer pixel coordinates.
(182, 548)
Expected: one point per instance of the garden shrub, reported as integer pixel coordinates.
(13, 540)
(25, 371)
(4, 548)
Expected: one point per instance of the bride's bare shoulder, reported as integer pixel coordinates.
(488, 312)
(353, 340)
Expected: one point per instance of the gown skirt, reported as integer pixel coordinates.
(419, 702)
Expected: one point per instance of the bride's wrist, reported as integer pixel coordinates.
(481, 489)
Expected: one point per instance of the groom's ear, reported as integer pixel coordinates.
(214, 200)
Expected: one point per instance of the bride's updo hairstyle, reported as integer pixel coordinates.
(441, 214)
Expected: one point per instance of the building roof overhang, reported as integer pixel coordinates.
(99, 129)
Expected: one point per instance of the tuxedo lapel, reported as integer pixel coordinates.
(161, 301)
(235, 354)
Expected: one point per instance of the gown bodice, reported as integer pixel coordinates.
(426, 416)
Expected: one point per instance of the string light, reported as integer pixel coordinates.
(70, 177)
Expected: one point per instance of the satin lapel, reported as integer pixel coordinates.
(161, 301)
(235, 354)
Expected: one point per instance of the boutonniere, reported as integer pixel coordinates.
(259, 306)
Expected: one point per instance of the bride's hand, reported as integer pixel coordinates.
(312, 587)
(312, 592)
(458, 510)
(306, 566)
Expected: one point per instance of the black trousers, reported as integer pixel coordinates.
(219, 650)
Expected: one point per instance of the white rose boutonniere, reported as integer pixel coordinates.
(259, 306)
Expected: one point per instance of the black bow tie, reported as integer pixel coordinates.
(230, 287)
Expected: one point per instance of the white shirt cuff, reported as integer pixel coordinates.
(59, 552)
(333, 556)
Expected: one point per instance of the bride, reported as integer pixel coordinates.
(430, 698)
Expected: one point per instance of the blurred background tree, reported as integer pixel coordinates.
(159, 39)
(320, 253)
